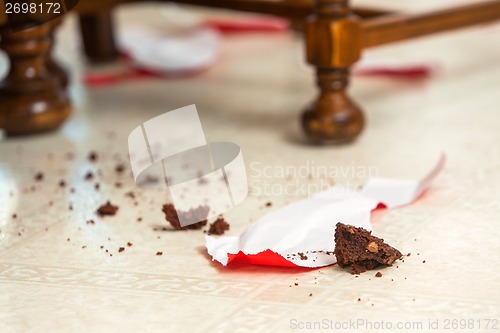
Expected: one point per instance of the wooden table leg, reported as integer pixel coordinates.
(98, 36)
(32, 98)
(333, 43)
(52, 65)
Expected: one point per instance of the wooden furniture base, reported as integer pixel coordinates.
(335, 34)
(97, 36)
(32, 96)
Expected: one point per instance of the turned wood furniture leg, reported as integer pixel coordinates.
(32, 99)
(52, 66)
(333, 43)
(98, 37)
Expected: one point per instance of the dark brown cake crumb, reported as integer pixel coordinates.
(97, 186)
(14, 216)
(62, 183)
(89, 176)
(129, 244)
(218, 227)
(39, 176)
(269, 204)
(90, 222)
(120, 168)
(378, 274)
(358, 249)
(107, 209)
(199, 213)
(159, 253)
(93, 156)
(302, 256)
(121, 249)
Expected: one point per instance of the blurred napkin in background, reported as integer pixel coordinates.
(191, 45)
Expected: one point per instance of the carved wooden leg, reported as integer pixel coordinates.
(333, 37)
(52, 66)
(98, 37)
(32, 99)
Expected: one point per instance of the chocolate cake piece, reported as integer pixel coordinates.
(107, 209)
(199, 213)
(358, 249)
(218, 227)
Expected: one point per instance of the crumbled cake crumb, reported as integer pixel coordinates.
(378, 274)
(218, 227)
(120, 168)
(107, 209)
(200, 213)
(93, 156)
(159, 253)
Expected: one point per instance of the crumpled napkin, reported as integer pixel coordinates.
(301, 234)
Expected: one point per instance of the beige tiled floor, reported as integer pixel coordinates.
(50, 283)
